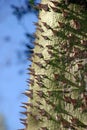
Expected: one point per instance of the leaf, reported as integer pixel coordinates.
(31, 2)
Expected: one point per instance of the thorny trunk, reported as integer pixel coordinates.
(58, 83)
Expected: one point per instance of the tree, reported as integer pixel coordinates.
(2, 123)
(58, 85)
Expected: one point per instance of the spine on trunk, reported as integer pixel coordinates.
(58, 82)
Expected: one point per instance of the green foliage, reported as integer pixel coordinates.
(31, 2)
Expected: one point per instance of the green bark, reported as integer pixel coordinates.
(59, 69)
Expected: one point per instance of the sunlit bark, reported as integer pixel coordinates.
(59, 69)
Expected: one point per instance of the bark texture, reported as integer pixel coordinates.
(58, 83)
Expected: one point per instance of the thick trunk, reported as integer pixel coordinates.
(59, 69)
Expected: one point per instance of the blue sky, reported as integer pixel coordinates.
(12, 83)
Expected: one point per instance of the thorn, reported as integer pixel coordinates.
(24, 120)
(48, 102)
(28, 104)
(55, 32)
(58, 117)
(24, 123)
(38, 78)
(84, 43)
(47, 61)
(48, 117)
(28, 94)
(30, 59)
(46, 25)
(40, 29)
(31, 70)
(37, 24)
(85, 96)
(35, 35)
(40, 93)
(39, 55)
(37, 107)
(61, 25)
(55, 9)
(67, 99)
(37, 118)
(22, 129)
(50, 93)
(30, 73)
(65, 123)
(56, 76)
(50, 52)
(76, 51)
(38, 45)
(30, 90)
(39, 103)
(42, 6)
(25, 113)
(24, 107)
(42, 112)
(31, 82)
(55, 3)
(44, 128)
(49, 46)
(64, 13)
(84, 107)
(39, 18)
(76, 25)
(77, 122)
(41, 85)
(80, 66)
(38, 64)
(45, 37)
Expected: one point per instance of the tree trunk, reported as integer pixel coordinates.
(58, 83)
